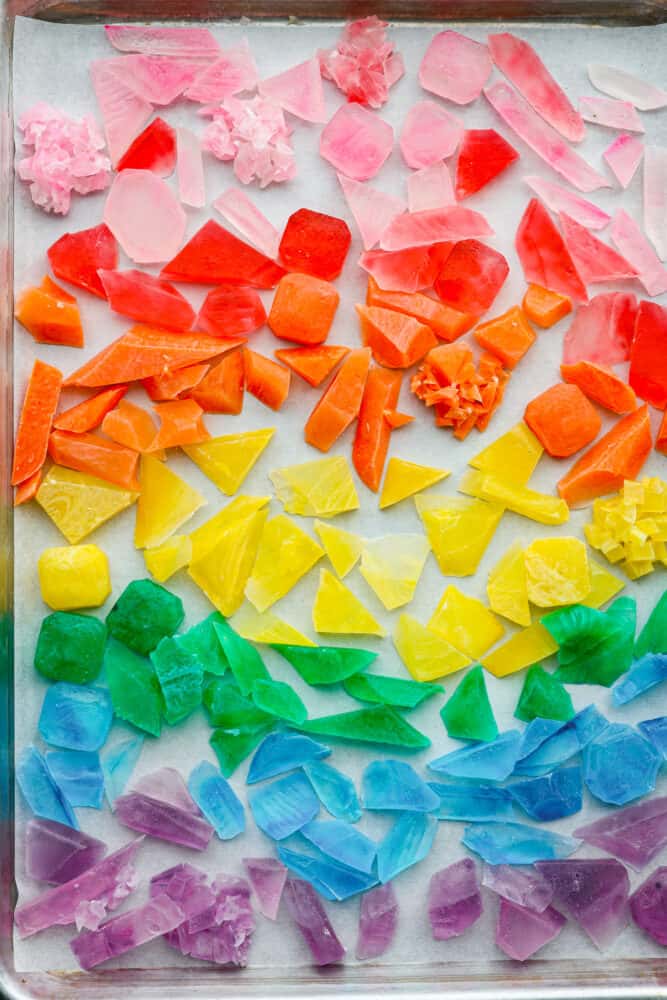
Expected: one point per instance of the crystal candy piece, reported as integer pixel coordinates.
(516, 843)
(246, 664)
(523, 887)
(655, 730)
(542, 696)
(279, 699)
(408, 841)
(595, 261)
(620, 765)
(364, 63)
(380, 724)
(311, 919)
(356, 142)
(118, 763)
(655, 198)
(473, 803)
(653, 636)
(143, 614)
(298, 90)
(75, 717)
(492, 761)
(217, 800)
(332, 880)
(594, 892)
(454, 900)
(70, 647)
(436, 225)
(180, 676)
(335, 790)
(79, 776)
(41, 791)
(280, 752)
(467, 714)
(341, 842)
(167, 785)
(326, 664)
(630, 240)
(56, 853)
(393, 785)
(284, 806)
(624, 155)
(394, 691)
(430, 187)
(559, 199)
(455, 67)
(127, 931)
(372, 210)
(550, 797)
(544, 257)
(378, 917)
(595, 647)
(648, 906)
(160, 805)
(645, 673)
(521, 932)
(635, 834)
(626, 87)
(610, 113)
(145, 216)
(430, 134)
(267, 877)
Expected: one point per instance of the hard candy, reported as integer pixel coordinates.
(378, 917)
(134, 688)
(545, 747)
(143, 614)
(246, 664)
(145, 216)
(557, 571)
(408, 841)
(380, 724)
(56, 853)
(202, 642)
(75, 576)
(454, 900)
(118, 763)
(655, 730)
(404, 479)
(217, 800)
(224, 550)
(326, 664)
(167, 785)
(334, 789)
(40, 790)
(166, 559)
(70, 647)
(266, 627)
(298, 90)
(483, 155)
(424, 652)
(341, 842)
(522, 649)
(644, 674)
(267, 877)
(493, 761)
(594, 892)
(520, 932)
(430, 134)
(356, 142)
(337, 611)
(465, 622)
(279, 699)
(127, 931)
(315, 243)
(311, 919)
(455, 67)
(180, 676)
(653, 636)
(395, 691)
(620, 765)
(343, 548)
(543, 696)
(595, 647)
(79, 776)
(233, 745)
(471, 277)
(285, 555)
(281, 752)
(507, 588)
(322, 488)
(332, 880)
(162, 820)
(516, 843)
(228, 459)
(523, 887)
(467, 714)
(472, 802)
(459, 530)
(364, 64)
(392, 566)
(550, 797)
(284, 806)
(389, 785)
(648, 906)
(75, 717)
(540, 507)
(165, 503)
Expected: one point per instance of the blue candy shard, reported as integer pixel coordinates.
(409, 841)
(620, 765)
(655, 730)
(76, 717)
(481, 761)
(643, 675)
(118, 763)
(551, 797)
(535, 734)
(78, 774)
(217, 800)
(563, 743)
(473, 803)
(587, 724)
(516, 843)
(341, 842)
(280, 752)
(394, 785)
(284, 806)
(335, 790)
(40, 790)
(333, 881)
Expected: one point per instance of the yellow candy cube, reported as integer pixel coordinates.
(557, 571)
(633, 492)
(74, 576)
(466, 623)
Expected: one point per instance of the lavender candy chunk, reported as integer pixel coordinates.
(521, 932)
(309, 915)
(635, 834)
(267, 877)
(163, 821)
(454, 900)
(378, 917)
(594, 892)
(127, 931)
(167, 785)
(56, 853)
(524, 887)
(186, 885)
(221, 931)
(648, 906)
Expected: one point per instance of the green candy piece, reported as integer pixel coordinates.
(227, 708)
(380, 724)
(143, 614)
(280, 700)
(395, 691)
(325, 664)
(467, 714)
(543, 697)
(596, 647)
(134, 688)
(202, 641)
(653, 637)
(70, 647)
(245, 662)
(232, 746)
(180, 676)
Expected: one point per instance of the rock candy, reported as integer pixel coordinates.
(430, 134)
(56, 853)
(483, 155)
(186, 43)
(455, 67)
(153, 149)
(417, 229)
(595, 261)
(307, 912)
(624, 156)
(40, 790)
(79, 776)
(407, 843)
(127, 931)
(405, 270)
(144, 216)
(635, 834)
(232, 72)
(282, 807)
(334, 789)
(655, 198)
(516, 843)
(637, 250)
(429, 188)
(124, 113)
(620, 765)
(237, 208)
(520, 931)
(341, 842)
(602, 330)
(492, 761)
(610, 113)
(522, 886)
(454, 900)
(298, 90)
(373, 210)
(559, 199)
(544, 256)
(472, 802)
(157, 79)
(267, 877)
(551, 796)
(253, 133)
(392, 785)
(378, 917)
(648, 906)
(356, 142)
(594, 892)
(626, 87)
(363, 64)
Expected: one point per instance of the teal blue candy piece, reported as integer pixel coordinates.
(595, 647)
(282, 807)
(472, 803)
(333, 881)
(70, 647)
(281, 752)
(322, 665)
(645, 673)
(467, 714)
(408, 841)
(395, 691)
(550, 797)
(144, 614)
(217, 800)
(40, 790)
(118, 763)
(202, 642)
(392, 785)
(75, 717)
(279, 699)
(516, 843)
(653, 637)
(245, 662)
(493, 761)
(620, 765)
(134, 688)
(335, 790)
(78, 774)
(180, 677)
(341, 842)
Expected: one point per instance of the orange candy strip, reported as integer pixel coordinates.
(396, 340)
(313, 364)
(27, 490)
(161, 388)
(371, 441)
(508, 336)
(50, 314)
(90, 413)
(267, 381)
(97, 457)
(563, 420)
(180, 423)
(447, 323)
(39, 406)
(339, 404)
(131, 426)
(602, 385)
(221, 390)
(544, 307)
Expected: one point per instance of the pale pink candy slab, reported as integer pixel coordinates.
(624, 156)
(655, 198)
(559, 199)
(455, 67)
(167, 785)
(145, 217)
(610, 113)
(430, 188)
(298, 90)
(190, 169)
(156, 79)
(123, 113)
(602, 330)
(430, 134)
(521, 64)
(372, 210)
(595, 261)
(637, 250)
(233, 72)
(356, 142)
(189, 43)
(401, 271)
(542, 138)
(626, 87)
(235, 206)
(421, 229)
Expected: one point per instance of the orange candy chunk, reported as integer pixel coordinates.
(50, 314)
(313, 364)
(39, 406)
(97, 457)
(161, 388)
(180, 423)
(544, 307)
(447, 323)
(267, 381)
(508, 336)
(396, 340)
(602, 385)
(563, 420)
(27, 490)
(221, 390)
(339, 404)
(303, 309)
(371, 441)
(89, 414)
(131, 426)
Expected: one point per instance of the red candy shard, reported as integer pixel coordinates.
(153, 149)
(544, 257)
(602, 330)
(221, 390)
(483, 155)
(313, 364)
(214, 256)
(77, 257)
(648, 355)
(356, 142)
(420, 229)
(406, 270)
(231, 310)
(594, 260)
(164, 388)
(147, 299)
(471, 277)
(314, 243)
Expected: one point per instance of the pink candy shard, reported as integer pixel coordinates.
(253, 133)
(610, 113)
(233, 72)
(454, 900)
(363, 64)
(635, 834)
(431, 187)
(559, 199)
(372, 210)
(602, 330)
(298, 90)
(525, 888)
(404, 270)
(624, 156)
(356, 142)
(85, 899)
(594, 892)
(655, 198)
(626, 87)
(648, 905)
(167, 785)
(544, 257)
(267, 877)
(521, 932)
(455, 67)
(307, 912)
(521, 64)
(237, 208)
(542, 138)
(419, 229)
(146, 299)
(594, 260)
(429, 135)
(153, 149)
(190, 169)
(637, 250)
(156, 79)
(378, 917)
(123, 112)
(145, 217)
(127, 931)
(188, 43)
(56, 853)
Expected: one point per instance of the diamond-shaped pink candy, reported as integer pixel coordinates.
(356, 142)
(430, 134)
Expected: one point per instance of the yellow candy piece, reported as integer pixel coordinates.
(404, 479)
(521, 650)
(210, 532)
(538, 507)
(392, 565)
(635, 570)
(165, 503)
(507, 590)
(78, 504)
(342, 547)
(465, 623)
(166, 559)
(425, 653)
(630, 528)
(266, 627)
(322, 488)
(223, 572)
(459, 530)
(339, 612)
(286, 553)
(227, 460)
(74, 576)
(604, 585)
(515, 453)
(557, 571)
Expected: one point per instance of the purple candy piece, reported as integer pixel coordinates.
(523, 887)
(635, 834)
(309, 915)
(267, 877)
(521, 932)
(594, 892)
(378, 917)
(454, 900)
(222, 930)
(164, 821)
(648, 906)
(56, 853)
(127, 931)
(168, 786)
(186, 885)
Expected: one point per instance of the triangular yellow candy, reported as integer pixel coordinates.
(604, 585)
(513, 455)
(266, 627)
(337, 611)
(459, 530)
(465, 623)
(78, 504)
(540, 507)
(165, 560)
(286, 553)
(342, 547)
(507, 590)
(223, 572)
(322, 488)
(426, 654)
(165, 503)
(403, 479)
(207, 535)
(523, 649)
(227, 460)
(392, 565)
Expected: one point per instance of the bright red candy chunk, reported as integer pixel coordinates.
(471, 277)
(648, 355)
(545, 259)
(214, 256)
(77, 257)
(315, 243)
(231, 311)
(153, 149)
(482, 156)
(147, 299)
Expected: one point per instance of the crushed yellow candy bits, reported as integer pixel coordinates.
(466, 623)
(518, 451)
(507, 589)
(557, 571)
(404, 479)
(392, 565)
(630, 529)
(74, 576)
(264, 626)
(322, 488)
(165, 503)
(536, 506)
(78, 503)
(166, 559)
(459, 530)
(426, 654)
(339, 612)
(227, 460)
(342, 547)
(285, 554)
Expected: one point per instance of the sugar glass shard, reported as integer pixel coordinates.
(40, 790)
(356, 142)
(127, 931)
(425, 653)
(408, 842)
(56, 853)
(637, 250)
(217, 801)
(492, 761)
(343, 548)
(79, 776)
(624, 155)
(75, 717)
(118, 763)
(635, 834)
(436, 225)
(394, 691)
(284, 806)
(321, 665)
(455, 67)
(454, 900)
(144, 216)
(280, 752)
(341, 842)
(544, 256)
(337, 611)
(285, 554)
(322, 488)
(165, 503)
(430, 134)
(550, 797)
(389, 785)
(626, 87)
(472, 802)
(380, 724)
(516, 843)
(594, 892)
(392, 566)
(465, 622)
(163, 821)
(404, 479)
(378, 917)
(610, 113)
(645, 673)
(298, 90)
(655, 198)
(647, 906)
(307, 912)
(458, 530)
(620, 765)
(335, 790)
(521, 886)
(267, 877)
(520, 931)
(559, 199)
(78, 504)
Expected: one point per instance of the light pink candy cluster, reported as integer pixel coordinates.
(67, 156)
(363, 64)
(253, 133)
